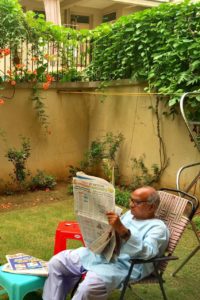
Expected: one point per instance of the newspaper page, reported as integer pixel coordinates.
(93, 198)
(21, 263)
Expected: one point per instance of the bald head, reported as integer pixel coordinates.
(149, 194)
(144, 202)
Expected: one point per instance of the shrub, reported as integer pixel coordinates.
(142, 175)
(19, 158)
(122, 197)
(70, 189)
(42, 181)
(102, 152)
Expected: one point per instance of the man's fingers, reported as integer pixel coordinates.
(109, 213)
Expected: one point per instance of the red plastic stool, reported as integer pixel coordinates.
(66, 230)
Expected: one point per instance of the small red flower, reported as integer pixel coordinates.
(20, 66)
(46, 56)
(6, 51)
(34, 58)
(46, 85)
(13, 82)
(49, 77)
(1, 101)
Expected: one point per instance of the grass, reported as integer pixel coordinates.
(32, 230)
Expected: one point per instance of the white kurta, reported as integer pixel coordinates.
(149, 238)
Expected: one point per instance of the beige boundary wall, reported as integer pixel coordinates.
(77, 116)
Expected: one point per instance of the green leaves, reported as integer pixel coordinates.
(18, 157)
(41, 69)
(160, 45)
(13, 24)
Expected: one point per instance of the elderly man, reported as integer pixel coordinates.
(142, 236)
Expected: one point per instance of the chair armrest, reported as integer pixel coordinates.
(155, 259)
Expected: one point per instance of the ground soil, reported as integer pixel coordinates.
(30, 199)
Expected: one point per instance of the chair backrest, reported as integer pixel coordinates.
(176, 212)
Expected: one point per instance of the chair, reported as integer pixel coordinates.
(176, 212)
(17, 285)
(194, 131)
(66, 230)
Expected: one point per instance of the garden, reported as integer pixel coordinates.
(31, 226)
(102, 101)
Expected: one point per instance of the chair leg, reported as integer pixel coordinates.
(186, 260)
(126, 282)
(162, 290)
(160, 280)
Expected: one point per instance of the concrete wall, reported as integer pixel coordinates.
(130, 115)
(53, 151)
(78, 118)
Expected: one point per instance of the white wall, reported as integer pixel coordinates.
(77, 119)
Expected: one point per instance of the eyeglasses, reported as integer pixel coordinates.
(137, 202)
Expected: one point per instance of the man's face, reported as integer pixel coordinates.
(139, 206)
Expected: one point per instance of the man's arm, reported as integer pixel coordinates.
(143, 247)
(115, 222)
(149, 245)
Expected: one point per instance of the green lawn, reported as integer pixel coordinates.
(32, 231)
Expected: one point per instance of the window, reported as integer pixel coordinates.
(109, 17)
(80, 19)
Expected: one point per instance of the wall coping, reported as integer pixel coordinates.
(61, 86)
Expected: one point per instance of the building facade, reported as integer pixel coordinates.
(87, 14)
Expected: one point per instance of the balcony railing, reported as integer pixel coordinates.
(28, 62)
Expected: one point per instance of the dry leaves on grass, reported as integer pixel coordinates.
(22, 200)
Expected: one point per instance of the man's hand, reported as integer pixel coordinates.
(115, 222)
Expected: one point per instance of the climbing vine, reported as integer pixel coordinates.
(30, 47)
(158, 45)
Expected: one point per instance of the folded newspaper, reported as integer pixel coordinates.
(21, 263)
(93, 198)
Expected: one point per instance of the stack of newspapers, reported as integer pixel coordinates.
(94, 197)
(21, 263)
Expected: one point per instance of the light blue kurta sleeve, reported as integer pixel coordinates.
(148, 238)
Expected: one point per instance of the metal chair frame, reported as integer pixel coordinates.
(194, 180)
(188, 189)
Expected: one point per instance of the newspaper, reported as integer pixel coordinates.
(93, 198)
(21, 263)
